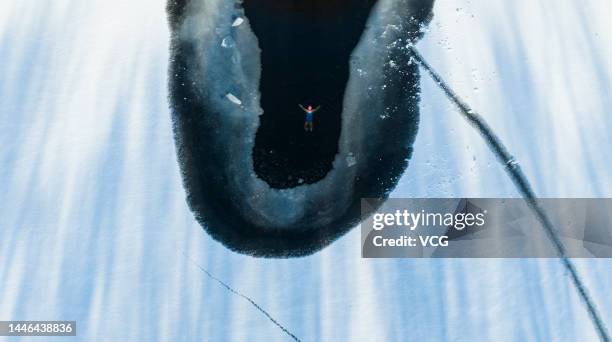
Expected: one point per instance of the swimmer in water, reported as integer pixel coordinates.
(309, 116)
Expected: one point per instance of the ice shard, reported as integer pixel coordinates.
(254, 178)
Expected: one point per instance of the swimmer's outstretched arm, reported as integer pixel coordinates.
(304, 109)
(316, 109)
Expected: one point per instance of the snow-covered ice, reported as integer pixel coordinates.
(95, 227)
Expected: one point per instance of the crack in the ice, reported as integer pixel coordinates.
(520, 180)
(247, 298)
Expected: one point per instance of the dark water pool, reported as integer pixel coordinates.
(305, 53)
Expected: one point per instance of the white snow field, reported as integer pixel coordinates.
(94, 226)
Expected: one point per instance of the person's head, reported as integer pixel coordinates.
(309, 107)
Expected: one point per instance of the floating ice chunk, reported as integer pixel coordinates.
(227, 42)
(350, 160)
(237, 22)
(233, 98)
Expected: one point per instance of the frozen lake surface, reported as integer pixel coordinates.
(95, 227)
